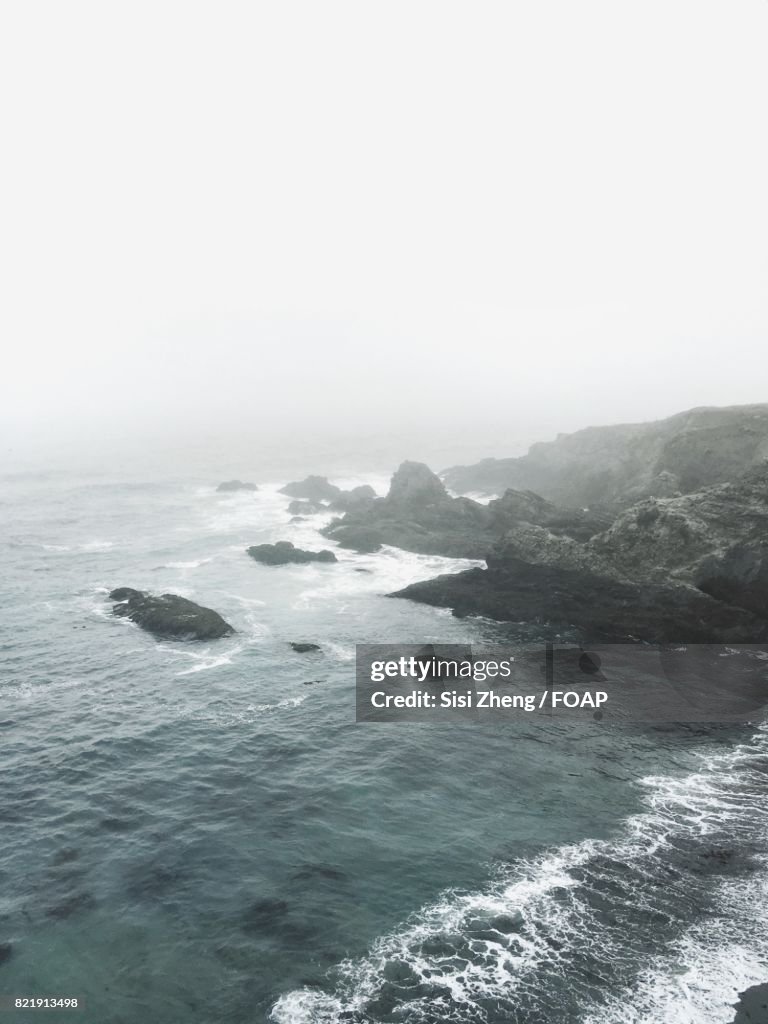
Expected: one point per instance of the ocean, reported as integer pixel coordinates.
(202, 833)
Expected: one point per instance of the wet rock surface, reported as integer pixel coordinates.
(168, 615)
(284, 553)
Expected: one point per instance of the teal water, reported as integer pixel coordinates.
(202, 832)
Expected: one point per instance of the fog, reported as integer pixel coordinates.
(460, 225)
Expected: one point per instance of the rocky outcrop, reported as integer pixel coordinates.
(416, 515)
(356, 498)
(693, 568)
(312, 488)
(169, 616)
(618, 465)
(304, 648)
(236, 485)
(284, 553)
(363, 539)
(527, 507)
(715, 539)
(419, 515)
(587, 606)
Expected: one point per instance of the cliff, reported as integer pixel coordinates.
(618, 465)
(693, 568)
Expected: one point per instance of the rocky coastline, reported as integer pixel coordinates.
(676, 564)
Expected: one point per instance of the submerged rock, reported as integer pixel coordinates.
(284, 553)
(236, 485)
(6, 951)
(169, 616)
(304, 648)
(312, 488)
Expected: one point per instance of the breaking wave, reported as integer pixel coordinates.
(645, 927)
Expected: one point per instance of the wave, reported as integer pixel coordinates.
(594, 932)
(388, 570)
(240, 715)
(203, 660)
(195, 564)
(86, 546)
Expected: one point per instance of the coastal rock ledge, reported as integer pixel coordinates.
(169, 616)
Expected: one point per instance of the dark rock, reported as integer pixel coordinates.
(357, 498)
(304, 648)
(715, 539)
(693, 568)
(6, 951)
(305, 508)
(618, 465)
(284, 553)
(419, 515)
(738, 576)
(169, 615)
(527, 507)
(312, 488)
(599, 607)
(363, 539)
(236, 485)
(752, 1007)
(416, 515)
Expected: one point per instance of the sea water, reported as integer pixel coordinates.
(201, 831)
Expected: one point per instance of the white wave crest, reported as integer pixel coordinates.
(502, 943)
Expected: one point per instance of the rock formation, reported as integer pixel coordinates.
(284, 553)
(690, 568)
(312, 488)
(356, 498)
(419, 515)
(169, 616)
(617, 465)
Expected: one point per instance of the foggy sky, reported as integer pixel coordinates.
(341, 216)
